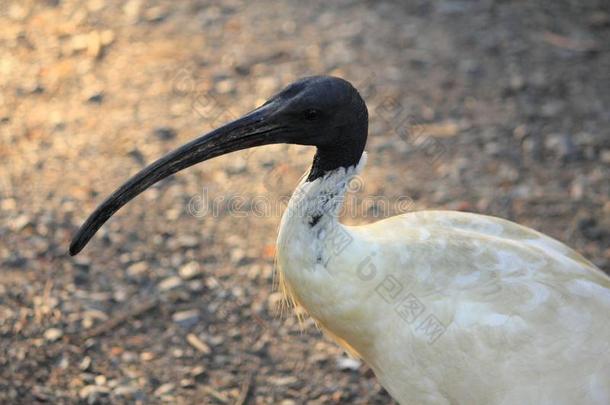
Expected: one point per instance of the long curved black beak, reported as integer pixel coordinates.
(253, 129)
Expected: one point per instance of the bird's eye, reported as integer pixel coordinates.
(311, 114)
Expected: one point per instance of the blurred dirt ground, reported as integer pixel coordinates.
(497, 107)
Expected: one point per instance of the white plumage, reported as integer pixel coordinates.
(450, 307)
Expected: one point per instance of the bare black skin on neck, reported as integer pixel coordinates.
(341, 154)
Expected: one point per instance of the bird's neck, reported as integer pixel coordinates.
(312, 247)
(318, 201)
(344, 151)
(329, 160)
(311, 236)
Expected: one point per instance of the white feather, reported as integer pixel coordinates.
(450, 307)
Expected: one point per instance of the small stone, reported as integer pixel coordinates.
(586, 139)
(106, 37)
(8, 204)
(578, 188)
(125, 390)
(170, 283)
(493, 149)
(94, 44)
(83, 262)
(43, 394)
(132, 10)
(236, 166)
(92, 393)
(599, 19)
(89, 317)
(164, 133)
(87, 323)
(562, 146)
(137, 156)
(64, 363)
(147, 356)
(242, 70)
(155, 14)
(212, 283)
(198, 344)
(551, 108)
(516, 83)
(590, 228)
(85, 363)
(164, 389)
(267, 85)
(16, 11)
(53, 334)
(188, 241)
(96, 98)
(283, 381)
(87, 377)
(195, 286)
(129, 357)
(520, 132)
(187, 383)
(197, 371)
(216, 340)
(186, 319)
(225, 86)
(120, 294)
(19, 223)
(238, 256)
(79, 42)
(100, 379)
(190, 270)
(346, 363)
(532, 148)
(137, 269)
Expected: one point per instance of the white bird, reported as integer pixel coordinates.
(446, 307)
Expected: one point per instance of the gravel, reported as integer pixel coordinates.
(497, 107)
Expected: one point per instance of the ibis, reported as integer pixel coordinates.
(446, 307)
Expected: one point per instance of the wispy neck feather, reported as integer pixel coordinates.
(312, 210)
(321, 199)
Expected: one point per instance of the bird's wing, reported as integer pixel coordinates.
(474, 236)
(490, 298)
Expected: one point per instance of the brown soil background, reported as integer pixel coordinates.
(509, 103)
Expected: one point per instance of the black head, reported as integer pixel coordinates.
(326, 112)
(322, 111)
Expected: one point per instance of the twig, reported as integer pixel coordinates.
(245, 390)
(217, 395)
(198, 344)
(571, 44)
(112, 323)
